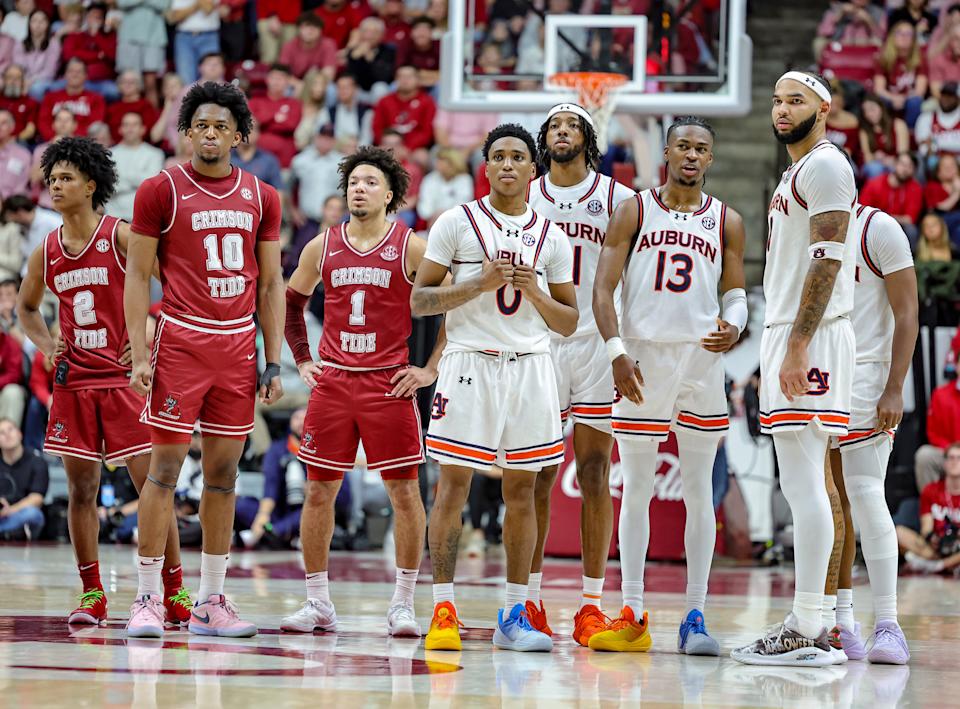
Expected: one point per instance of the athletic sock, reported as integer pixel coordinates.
(829, 611)
(533, 587)
(213, 571)
(633, 597)
(318, 587)
(515, 593)
(808, 609)
(442, 593)
(592, 592)
(149, 570)
(845, 617)
(885, 607)
(172, 580)
(406, 585)
(696, 597)
(90, 575)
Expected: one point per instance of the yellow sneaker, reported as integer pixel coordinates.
(445, 627)
(625, 634)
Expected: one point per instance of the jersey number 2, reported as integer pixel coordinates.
(83, 310)
(231, 248)
(684, 267)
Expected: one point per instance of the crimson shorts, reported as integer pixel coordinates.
(96, 424)
(206, 377)
(348, 407)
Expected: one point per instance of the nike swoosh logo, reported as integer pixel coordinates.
(251, 356)
(88, 566)
(201, 618)
(185, 197)
(54, 262)
(334, 253)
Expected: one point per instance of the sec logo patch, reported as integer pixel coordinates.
(709, 222)
(103, 246)
(246, 193)
(594, 207)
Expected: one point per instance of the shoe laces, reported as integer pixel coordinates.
(620, 623)
(595, 615)
(88, 599)
(181, 598)
(402, 612)
(696, 626)
(881, 632)
(229, 607)
(445, 618)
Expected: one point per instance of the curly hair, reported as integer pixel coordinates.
(226, 96)
(88, 157)
(509, 130)
(385, 162)
(591, 151)
(681, 121)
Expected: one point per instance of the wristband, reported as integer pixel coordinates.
(269, 372)
(832, 250)
(735, 308)
(615, 348)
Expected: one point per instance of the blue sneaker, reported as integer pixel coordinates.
(693, 638)
(516, 633)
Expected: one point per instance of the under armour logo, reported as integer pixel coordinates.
(513, 233)
(565, 205)
(466, 380)
(678, 216)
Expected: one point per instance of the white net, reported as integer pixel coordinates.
(597, 93)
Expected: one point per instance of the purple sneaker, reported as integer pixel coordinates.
(146, 618)
(852, 644)
(218, 616)
(888, 646)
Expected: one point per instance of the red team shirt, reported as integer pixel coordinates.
(208, 229)
(91, 311)
(366, 301)
(942, 506)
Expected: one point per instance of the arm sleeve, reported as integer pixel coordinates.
(40, 479)
(888, 245)
(151, 206)
(559, 266)
(826, 182)
(270, 219)
(442, 240)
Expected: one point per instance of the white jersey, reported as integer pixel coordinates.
(673, 271)
(500, 320)
(583, 212)
(821, 181)
(883, 249)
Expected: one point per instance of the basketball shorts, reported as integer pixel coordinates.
(496, 409)
(348, 407)
(208, 378)
(584, 381)
(869, 381)
(683, 390)
(97, 424)
(831, 355)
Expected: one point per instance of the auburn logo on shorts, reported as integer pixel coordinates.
(820, 381)
(439, 408)
(58, 433)
(171, 406)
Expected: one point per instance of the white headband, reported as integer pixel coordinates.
(819, 89)
(572, 108)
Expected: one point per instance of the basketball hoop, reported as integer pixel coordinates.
(598, 94)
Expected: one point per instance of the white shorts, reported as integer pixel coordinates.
(831, 356)
(492, 409)
(584, 381)
(683, 390)
(869, 381)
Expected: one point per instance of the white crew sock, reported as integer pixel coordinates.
(213, 571)
(845, 617)
(318, 586)
(149, 575)
(442, 593)
(533, 587)
(515, 593)
(829, 612)
(638, 461)
(406, 585)
(592, 592)
(808, 609)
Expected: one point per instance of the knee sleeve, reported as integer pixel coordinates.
(864, 470)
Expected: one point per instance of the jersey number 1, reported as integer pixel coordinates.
(684, 267)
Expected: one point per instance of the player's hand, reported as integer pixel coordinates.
(141, 378)
(271, 388)
(310, 372)
(525, 280)
(793, 373)
(126, 357)
(722, 339)
(408, 380)
(60, 348)
(495, 274)
(627, 377)
(890, 409)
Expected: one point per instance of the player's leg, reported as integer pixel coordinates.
(409, 528)
(828, 612)
(849, 632)
(83, 484)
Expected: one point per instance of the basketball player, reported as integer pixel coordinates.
(496, 396)
(363, 387)
(807, 352)
(580, 201)
(673, 248)
(214, 230)
(94, 416)
(885, 323)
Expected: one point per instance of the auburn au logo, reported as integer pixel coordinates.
(439, 408)
(820, 381)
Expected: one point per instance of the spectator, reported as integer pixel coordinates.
(97, 49)
(934, 244)
(233, 29)
(274, 520)
(850, 22)
(257, 161)
(915, 12)
(901, 75)
(64, 126)
(945, 67)
(131, 101)
(15, 100)
(136, 161)
(408, 110)
(898, 194)
(340, 18)
(100, 132)
(197, 34)
(448, 186)
(71, 20)
(7, 45)
(275, 27)
(422, 51)
(942, 193)
(489, 63)
(935, 546)
(39, 53)
(949, 18)
(499, 36)
(117, 506)
(212, 68)
(8, 310)
(41, 396)
(396, 28)
(164, 130)
(86, 106)
(370, 61)
(943, 428)
(26, 480)
(463, 131)
(843, 128)
(437, 11)
(313, 107)
(16, 23)
(35, 222)
(310, 49)
(14, 158)
(314, 178)
(142, 42)
(393, 141)
(11, 249)
(278, 115)
(13, 397)
(350, 115)
(882, 137)
(938, 131)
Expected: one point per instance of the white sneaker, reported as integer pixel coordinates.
(924, 566)
(312, 615)
(476, 546)
(402, 622)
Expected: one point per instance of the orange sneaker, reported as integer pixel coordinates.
(444, 633)
(625, 634)
(589, 621)
(538, 618)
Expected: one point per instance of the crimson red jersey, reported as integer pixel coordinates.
(366, 301)
(89, 286)
(208, 230)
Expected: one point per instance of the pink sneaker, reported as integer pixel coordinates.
(146, 618)
(218, 616)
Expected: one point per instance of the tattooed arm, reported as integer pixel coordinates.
(430, 297)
